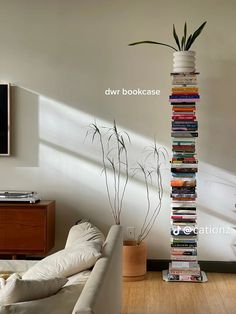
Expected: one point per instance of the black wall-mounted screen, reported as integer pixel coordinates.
(4, 120)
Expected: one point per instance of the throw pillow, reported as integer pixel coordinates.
(60, 303)
(18, 290)
(84, 231)
(66, 262)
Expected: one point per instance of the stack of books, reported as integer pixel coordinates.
(184, 166)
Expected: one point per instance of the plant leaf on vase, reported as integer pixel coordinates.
(188, 42)
(196, 34)
(183, 46)
(152, 42)
(176, 37)
(185, 34)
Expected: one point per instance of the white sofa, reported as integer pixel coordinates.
(101, 293)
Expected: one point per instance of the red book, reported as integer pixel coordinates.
(182, 117)
(179, 109)
(184, 147)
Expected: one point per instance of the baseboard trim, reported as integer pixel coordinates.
(207, 266)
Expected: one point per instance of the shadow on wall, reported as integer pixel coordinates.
(215, 112)
(62, 133)
(76, 162)
(48, 136)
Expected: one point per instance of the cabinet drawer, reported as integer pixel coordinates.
(27, 228)
(22, 229)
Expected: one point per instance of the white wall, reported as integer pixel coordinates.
(62, 55)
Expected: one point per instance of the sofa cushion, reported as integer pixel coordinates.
(66, 262)
(60, 303)
(19, 290)
(84, 231)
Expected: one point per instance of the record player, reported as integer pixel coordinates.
(19, 196)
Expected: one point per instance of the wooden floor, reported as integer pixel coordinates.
(155, 296)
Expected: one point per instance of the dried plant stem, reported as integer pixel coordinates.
(156, 210)
(150, 219)
(126, 181)
(106, 176)
(143, 228)
(114, 159)
(118, 172)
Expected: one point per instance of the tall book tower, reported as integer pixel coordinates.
(184, 166)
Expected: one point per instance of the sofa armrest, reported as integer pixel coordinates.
(102, 291)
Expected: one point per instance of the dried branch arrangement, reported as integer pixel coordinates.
(114, 153)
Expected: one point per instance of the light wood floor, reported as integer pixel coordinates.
(155, 296)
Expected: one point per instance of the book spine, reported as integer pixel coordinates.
(191, 278)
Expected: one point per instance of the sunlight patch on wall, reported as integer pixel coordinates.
(75, 164)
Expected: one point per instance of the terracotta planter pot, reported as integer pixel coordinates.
(134, 261)
(184, 61)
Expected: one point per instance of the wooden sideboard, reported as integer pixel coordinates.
(27, 229)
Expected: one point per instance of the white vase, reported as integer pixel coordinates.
(184, 62)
